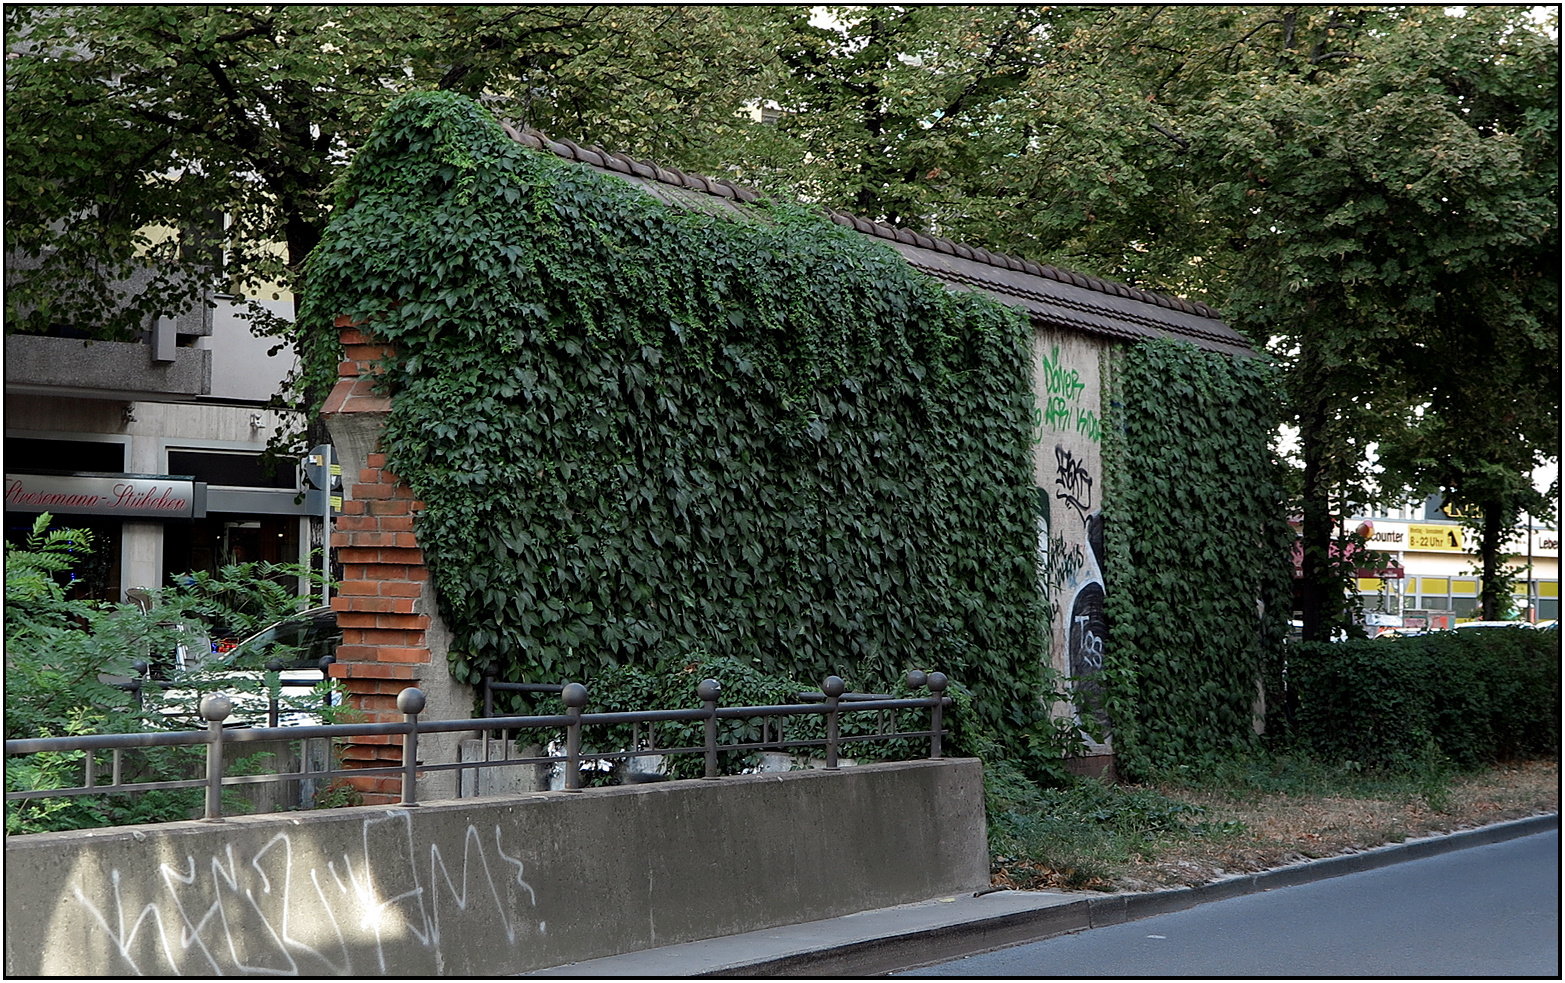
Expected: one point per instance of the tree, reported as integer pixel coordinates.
(202, 141)
(1370, 193)
(1401, 174)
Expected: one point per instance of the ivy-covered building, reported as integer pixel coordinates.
(616, 373)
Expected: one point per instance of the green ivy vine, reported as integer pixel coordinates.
(1198, 584)
(643, 431)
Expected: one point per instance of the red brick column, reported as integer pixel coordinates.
(379, 602)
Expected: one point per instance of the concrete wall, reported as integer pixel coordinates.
(242, 364)
(491, 886)
(1068, 470)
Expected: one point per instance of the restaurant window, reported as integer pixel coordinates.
(206, 545)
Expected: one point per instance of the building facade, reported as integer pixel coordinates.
(155, 446)
(1438, 587)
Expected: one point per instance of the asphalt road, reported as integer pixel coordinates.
(1483, 911)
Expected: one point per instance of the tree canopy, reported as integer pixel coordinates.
(156, 135)
(1370, 192)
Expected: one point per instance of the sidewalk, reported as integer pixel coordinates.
(891, 939)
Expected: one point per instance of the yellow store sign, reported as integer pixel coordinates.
(1432, 537)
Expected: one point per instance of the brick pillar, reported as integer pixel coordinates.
(380, 602)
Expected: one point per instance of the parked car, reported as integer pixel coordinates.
(299, 642)
(1492, 624)
(1296, 632)
(192, 643)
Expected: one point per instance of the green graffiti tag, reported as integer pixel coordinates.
(1059, 380)
(1062, 410)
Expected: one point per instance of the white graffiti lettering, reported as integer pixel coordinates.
(244, 917)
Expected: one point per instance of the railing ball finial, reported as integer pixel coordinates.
(490, 670)
(938, 682)
(574, 695)
(411, 700)
(708, 690)
(274, 665)
(216, 707)
(141, 666)
(834, 686)
(327, 661)
(917, 679)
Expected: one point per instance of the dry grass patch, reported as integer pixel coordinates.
(1284, 828)
(1260, 816)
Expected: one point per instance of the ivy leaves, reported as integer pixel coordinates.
(643, 431)
(1198, 580)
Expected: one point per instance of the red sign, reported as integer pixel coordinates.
(137, 496)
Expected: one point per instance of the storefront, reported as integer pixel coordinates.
(1439, 587)
(209, 503)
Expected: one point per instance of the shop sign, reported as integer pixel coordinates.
(131, 496)
(1387, 536)
(1447, 539)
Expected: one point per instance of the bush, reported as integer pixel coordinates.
(62, 655)
(1474, 696)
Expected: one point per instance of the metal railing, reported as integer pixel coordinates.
(830, 703)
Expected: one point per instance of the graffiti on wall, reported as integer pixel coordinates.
(1073, 483)
(1067, 387)
(274, 913)
(1088, 632)
(1067, 403)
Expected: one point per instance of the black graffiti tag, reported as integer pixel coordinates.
(1075, 484)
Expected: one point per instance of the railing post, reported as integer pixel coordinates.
(833, 687)
(709, 690)
(574, 696)
(214, 710)
(274, 688)
(491, 670)
(937, 690)
(143, 672)
(325, 663)
(411, 702)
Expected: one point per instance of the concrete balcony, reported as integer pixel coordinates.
(105, 369)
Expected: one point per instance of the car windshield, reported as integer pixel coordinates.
(299, 642)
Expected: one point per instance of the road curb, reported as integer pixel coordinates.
(921, 948)
(876, 957)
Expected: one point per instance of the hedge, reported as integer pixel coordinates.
(1479, 695)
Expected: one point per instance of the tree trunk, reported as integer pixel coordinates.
(1316, 586)
(1489, 550)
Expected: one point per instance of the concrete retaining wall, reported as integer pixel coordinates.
(495, 885)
